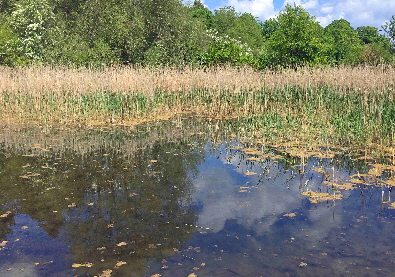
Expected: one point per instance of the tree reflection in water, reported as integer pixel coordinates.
(111, 199)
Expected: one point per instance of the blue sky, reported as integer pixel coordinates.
(357, 12)
(212, 4)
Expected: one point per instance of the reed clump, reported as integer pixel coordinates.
(339, 105)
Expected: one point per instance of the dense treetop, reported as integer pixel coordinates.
(168, 32)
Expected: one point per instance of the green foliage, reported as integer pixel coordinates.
(167, 32)
(174, 37)
(376, 47)
(296, 41)
(150, 32)
(243, 27)
(10, 47)
(268, 27)
(102, 28)
(375, 54)
(246, 29)
(76, 51)
(198, 10)
(369, 34)
(144, 32)
(224, 19)
(346, 43)
(6, 6)
(389, 29)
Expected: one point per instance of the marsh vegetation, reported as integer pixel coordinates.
(350, 106)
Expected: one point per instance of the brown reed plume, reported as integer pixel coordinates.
(60, 80)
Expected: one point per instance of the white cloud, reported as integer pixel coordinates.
(312, 4)
(222, 201)
(325, 20)
(264, 204)
(326, 9)
(357, 12)
(190, 3)
(262, 9)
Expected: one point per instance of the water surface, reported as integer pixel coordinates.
(187, 197)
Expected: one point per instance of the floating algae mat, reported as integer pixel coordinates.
(187, 197)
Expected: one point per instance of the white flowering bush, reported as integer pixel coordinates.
(226, 50)
(33, 20)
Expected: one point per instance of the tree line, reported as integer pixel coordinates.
(171, 33)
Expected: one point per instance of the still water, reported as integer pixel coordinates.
(188, 197)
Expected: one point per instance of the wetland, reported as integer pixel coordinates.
(218, 172)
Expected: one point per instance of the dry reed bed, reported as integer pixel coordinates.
(59, 80)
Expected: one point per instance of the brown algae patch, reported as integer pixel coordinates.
(237, 147)
(290, 215)
(390, 182)
(250, 173)
(316, 197)
(345, 186)
(378, 169)
(254, 159)
(319, 170)
(322, 155)
(252, 151)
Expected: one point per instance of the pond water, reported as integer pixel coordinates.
(187, 197)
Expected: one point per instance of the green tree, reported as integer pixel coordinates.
(198, 10)
(11, 47)
(377, 48)
(95, 32)
(298, 40)
(375, 54)
(5, 6)
(369, 34)
(246, 29)
(241, 28)
(128, 31)
(346, 43)
(389, 29)
(268, 27)
(174, 37)
(224, 19)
